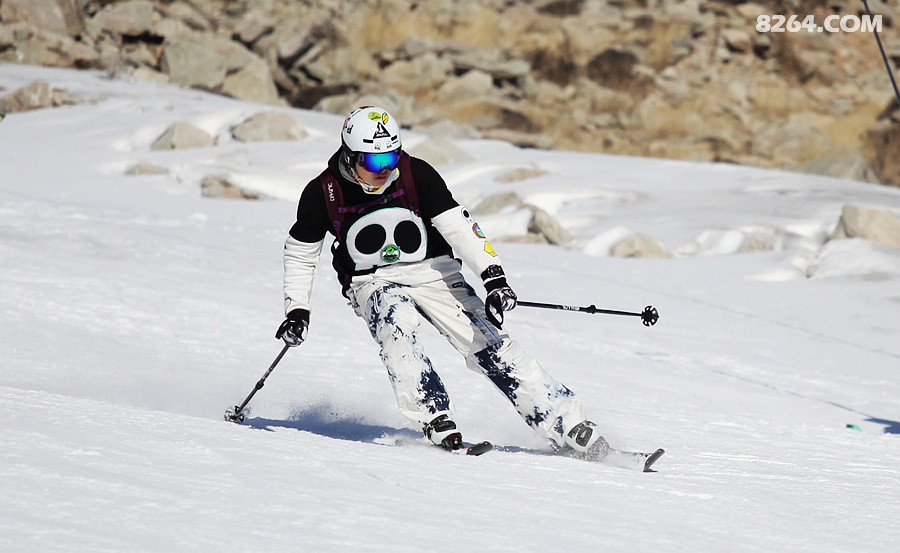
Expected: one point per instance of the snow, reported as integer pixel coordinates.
(135, 311)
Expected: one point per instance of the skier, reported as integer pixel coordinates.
(396, 228)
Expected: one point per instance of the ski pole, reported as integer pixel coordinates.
(887, 64)
(648, 316)
(233, 414)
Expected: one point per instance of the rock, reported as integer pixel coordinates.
(218, 64)
(252, 82)
(149, 75)
(474, 84)
(498, 70)
(37, 95)
(143, 168)
(640, 245)
(448, 130)
(882, 146)
(268, 126)
(686, 79)
(751, 10)
(182, 135)
(419, 75)
(187, 14)
(253, 25)
(737, 40)
(25, 43)
(848, 166)
(877, 225)
(493, 115)
(547, 226)
(613, 68)
(498, 202)
(58, 16)
(221, 187)
(129, 18)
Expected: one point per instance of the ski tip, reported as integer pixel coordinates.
(479, 448)
(475, 449)
(654, 457)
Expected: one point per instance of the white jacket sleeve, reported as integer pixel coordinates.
(466, 238)
(300, 259)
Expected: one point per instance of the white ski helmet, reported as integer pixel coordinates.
(370, 130)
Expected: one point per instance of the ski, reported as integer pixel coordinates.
(475, 449)
(632, 460)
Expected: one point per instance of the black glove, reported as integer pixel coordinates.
(293, 329)
(500, 297)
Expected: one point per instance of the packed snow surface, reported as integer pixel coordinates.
(134, 311)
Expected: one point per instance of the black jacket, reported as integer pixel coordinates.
(371, 235)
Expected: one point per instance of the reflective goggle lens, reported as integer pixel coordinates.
(377, 163)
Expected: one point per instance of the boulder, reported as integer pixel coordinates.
(143, 168)
(882, 147)
(252, 25)
(419, 75)
(182, 135)
(25, 43)
(546, 226)
(639, 245)
(220, 187)
(37, 95)
(474, 84)
(252, 82)
(499, 70)
(268, 126)
(129, 18)
(218, 64)
(877, 225)
(57, 16)
(847, 166)
(687, 79)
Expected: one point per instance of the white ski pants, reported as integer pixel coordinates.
(394, 313)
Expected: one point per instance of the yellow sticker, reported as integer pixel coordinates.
(488, 248)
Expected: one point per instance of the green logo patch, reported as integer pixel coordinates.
(390, 253)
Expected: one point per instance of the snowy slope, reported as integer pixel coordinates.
(133, 311)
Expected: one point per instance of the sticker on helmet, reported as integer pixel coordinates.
(375, 116)
(381, 132)
(489, 249)
(477, 230)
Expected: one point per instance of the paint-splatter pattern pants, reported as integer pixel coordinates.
(394, 313)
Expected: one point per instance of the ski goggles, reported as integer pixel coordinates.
(377, 163)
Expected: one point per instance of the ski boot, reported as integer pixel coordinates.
(442, 431)
(586, 442)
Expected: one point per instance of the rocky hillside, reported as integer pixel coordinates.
(688, 79)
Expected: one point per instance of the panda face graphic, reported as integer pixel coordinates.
(387, 236)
